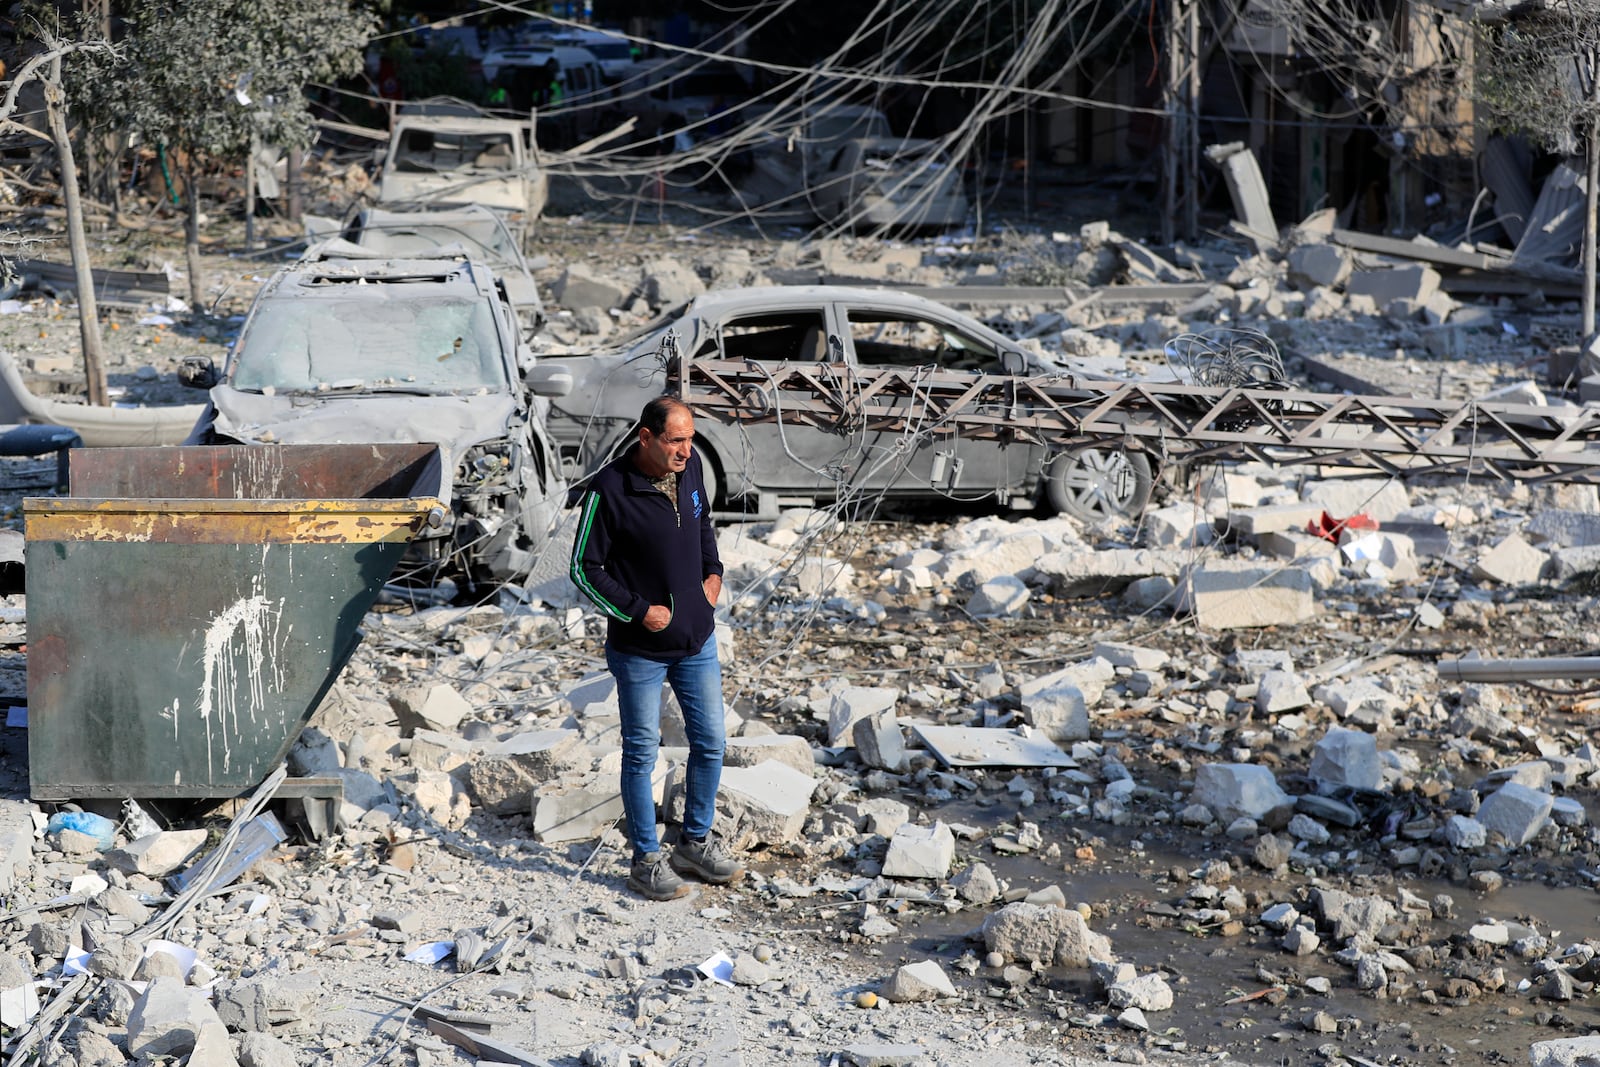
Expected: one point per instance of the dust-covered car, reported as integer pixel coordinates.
(597, 397)
(473, 231)
(424, 350)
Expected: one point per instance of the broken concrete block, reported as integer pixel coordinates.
(1148, 594)
(1347, 758)
(432, 707)
(265, 1050)
(1090, 572)
(1414, 282)
(1324, 265)
(1178, 526)
(1040, 933)
(1360, 702)
(170, 1018)
(1342, 498)
(1515, 812)
(883, 1055)
(1241, 790)
(977, 885)
(878, 815)
(1465, 833)
(1253, 522)
(879, 742)
(1135, 657)
(920, 852)
(1566, 1052)
(156, 855)
(993, 557)
(999, 597)
(1289, 545)
(770, 800)
(1148, 992)
(666, 283)
(580, 287)
(434, 751)
(1060, 712)
(1511, 562)
(1280, 691)
(747, 751)
(1255, 663)
(1569, 563)
(1229, 594)
(505, 776)
(581, 813)
(924, 980)
(856, 702)
(1564, 528)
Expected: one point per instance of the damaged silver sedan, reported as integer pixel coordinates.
(424, 350)
(771, 465)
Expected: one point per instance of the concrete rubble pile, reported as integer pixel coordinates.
(496, 750)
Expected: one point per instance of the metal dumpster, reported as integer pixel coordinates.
(189, 607)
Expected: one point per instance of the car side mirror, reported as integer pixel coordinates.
(548, 379)
(198, 372)
(1013, 363)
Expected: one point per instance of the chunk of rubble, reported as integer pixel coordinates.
(977, 885)
(1360, 701)
(747, 751)
(769, 801)
(156, 855)
(506, 774)
(855, 702)
(1344, 757)
(173, 1019)
(1515, 812)
(1463, 832)
(879, 742)
(1148, 992)
(580, 287)
(999, 597)
(1078, 572)
(1566, 1052)
(1381, 498)
(1241, 790)
(1511, 562)
(1280, 691)
(1232, 594)
(924, 980)
(429, 707)
(1178, 526)
(667, 283)
(581, 812)
(920, 852)
(1036, 933)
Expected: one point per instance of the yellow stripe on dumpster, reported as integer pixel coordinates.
(227, 521)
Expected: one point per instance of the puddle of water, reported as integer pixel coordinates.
(1208, 970)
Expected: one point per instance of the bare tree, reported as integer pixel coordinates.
(1540, 75)
(94, 362)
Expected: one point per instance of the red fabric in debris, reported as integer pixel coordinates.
(1328, 528)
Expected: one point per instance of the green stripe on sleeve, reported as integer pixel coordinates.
(579, 578)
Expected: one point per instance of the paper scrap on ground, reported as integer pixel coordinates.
(432, 952)
(718, 968)
(185, 955)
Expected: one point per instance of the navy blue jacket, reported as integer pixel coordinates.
(631, 551)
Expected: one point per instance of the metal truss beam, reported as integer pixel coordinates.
(1176, 423)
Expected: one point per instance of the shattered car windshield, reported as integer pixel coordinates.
(373, 337)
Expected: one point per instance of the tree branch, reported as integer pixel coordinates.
(30, 70)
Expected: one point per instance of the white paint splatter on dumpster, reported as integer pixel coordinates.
(237, 646)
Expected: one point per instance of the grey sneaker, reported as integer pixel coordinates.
(652, 878)
(708, 860)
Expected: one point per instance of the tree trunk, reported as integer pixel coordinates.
(1591, 196)
(191, 235)
(94, 364)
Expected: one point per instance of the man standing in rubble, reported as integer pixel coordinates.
(646, 555)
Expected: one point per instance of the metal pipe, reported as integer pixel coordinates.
(1519, 670)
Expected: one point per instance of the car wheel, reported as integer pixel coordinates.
(1098, 482)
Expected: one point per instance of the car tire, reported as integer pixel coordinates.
(710, 473)
(1096, 482)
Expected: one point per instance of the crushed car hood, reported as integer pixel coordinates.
(454, 423)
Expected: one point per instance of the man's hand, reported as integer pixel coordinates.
(656, 619)
(713, 588)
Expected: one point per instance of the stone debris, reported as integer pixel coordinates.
(1231, 594)
(1346, 757)
(920, 852)
(924, 980)
(1515, 812)
(1241, 790)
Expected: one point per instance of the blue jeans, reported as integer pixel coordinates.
(697, 682)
